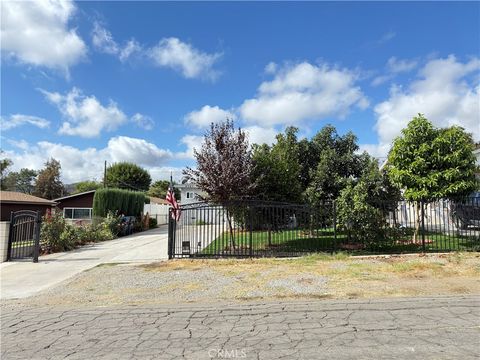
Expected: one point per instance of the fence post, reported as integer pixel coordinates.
(36, 237)
(10, 237)
(251, 231)
(170, 234)
(334, 226)
(423, 224)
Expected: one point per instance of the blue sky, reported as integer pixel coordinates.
(91, 81)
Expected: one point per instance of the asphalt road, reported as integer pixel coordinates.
(406, 328)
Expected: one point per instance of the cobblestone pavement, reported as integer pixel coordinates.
(413, 328)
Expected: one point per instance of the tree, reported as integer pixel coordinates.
(431, 163)
(224, 166)
(276, 169)
(125, 175)
(159, 189)
(332, 161)
(48, 184)
(87, 185)
(4, 165)
(21, 181)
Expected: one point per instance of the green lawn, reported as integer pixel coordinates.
(299, 241)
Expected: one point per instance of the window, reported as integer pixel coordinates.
(191, 195)
(77, 213)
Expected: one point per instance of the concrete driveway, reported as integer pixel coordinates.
(22, 279)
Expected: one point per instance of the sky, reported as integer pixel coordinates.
(88, 82)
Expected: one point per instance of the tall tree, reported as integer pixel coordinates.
(48, 184)
(431, 163)
(224, 166)
(21, 181)
(277, 169)
(4, 165)
(125, 175)
(159, 189)
(332, 161)
(87, 185)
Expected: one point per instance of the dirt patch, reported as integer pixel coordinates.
(311, 277)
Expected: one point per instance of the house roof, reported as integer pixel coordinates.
(156, 200)
(13, 197)
(75, 195)
(187, 186)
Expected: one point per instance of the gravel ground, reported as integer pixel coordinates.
(227, 281)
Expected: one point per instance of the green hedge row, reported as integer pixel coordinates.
(130, 203)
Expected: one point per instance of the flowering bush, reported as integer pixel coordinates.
(52, 227)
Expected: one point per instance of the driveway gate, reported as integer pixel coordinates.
(24, 235)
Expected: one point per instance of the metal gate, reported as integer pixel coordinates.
(24, 235)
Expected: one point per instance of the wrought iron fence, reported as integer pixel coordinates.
(259, 228)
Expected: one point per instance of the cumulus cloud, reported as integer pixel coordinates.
(208, 114)
(446, 90)
(84, 115)
(192, 142)
(304, 92)
(103, 41)
(86, 164)
(143, 121)
(260, 135)
(16, 120)
(38, 33)
(183, 57)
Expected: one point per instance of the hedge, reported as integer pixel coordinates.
(130, 203)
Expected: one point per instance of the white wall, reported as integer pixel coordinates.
(4, 230)
(157, 211)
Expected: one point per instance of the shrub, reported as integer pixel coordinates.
(118, 201)
(152, 223)
(68, 239)
(52, 227)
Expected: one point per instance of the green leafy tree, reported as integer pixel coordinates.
(277, 168)
(21, 181)
(332, 162)
(88, 185)
(431, 163)
(125, 175)
(48, 184)
(4, 165)
(159, 189)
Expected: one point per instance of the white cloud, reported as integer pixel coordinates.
(16, 120)
(143, 121)
(86, 164)
(271, 68)
(103, 41)
(401, 65)
(388, 36)
(183, 57)
(303, 92)
(192, 142)
(446, 91)
(260, 135)
(208, 114)
(84, 115)
(37, 33)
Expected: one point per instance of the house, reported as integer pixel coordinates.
(190, 193)
(476, 152)
(16, 201)
(77, 206)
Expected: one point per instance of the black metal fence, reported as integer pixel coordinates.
(258, 229)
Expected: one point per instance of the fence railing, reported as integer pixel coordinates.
(258, 228)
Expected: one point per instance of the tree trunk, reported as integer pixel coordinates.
(232, 239)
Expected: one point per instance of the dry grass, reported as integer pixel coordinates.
(348, 276)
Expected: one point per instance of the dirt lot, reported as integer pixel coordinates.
(311, 277)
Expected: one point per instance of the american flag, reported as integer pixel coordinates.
(173, 202)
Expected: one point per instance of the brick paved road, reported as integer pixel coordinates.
(430, 328)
